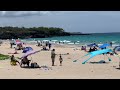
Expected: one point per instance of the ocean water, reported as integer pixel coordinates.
(98, 38)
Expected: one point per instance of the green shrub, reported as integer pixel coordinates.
(4, 57)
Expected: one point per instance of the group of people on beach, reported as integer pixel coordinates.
(25, 60)
(94, 48)
(44, 45)
(53, 55)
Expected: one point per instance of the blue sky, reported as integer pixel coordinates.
(70, 21)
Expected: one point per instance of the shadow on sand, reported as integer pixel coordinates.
(98, 62)
(118, 68)
(29, 67)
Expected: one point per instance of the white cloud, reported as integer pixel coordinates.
(22, 13)
(30, 13)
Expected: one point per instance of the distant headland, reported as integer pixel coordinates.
(78, 33)
(9, 32)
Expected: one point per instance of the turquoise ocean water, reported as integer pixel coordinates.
(84, 39)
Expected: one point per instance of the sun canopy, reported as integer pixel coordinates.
(30, 53)
(104, 45)
(92, 45)
(95, 53)
(27, 49)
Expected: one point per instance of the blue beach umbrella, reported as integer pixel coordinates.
(92, 45)
(117, 50)
(104, 46)
(95, 53)
(27, 49)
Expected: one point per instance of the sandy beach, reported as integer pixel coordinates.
(69, 69)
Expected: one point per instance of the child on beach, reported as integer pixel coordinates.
(60, 59)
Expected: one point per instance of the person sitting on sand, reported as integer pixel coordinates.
(82, 48)
(24, 61)
(60, 59)
(38, 44)
(44, 48)
(94, 48)
(13, 61)
(90, 50)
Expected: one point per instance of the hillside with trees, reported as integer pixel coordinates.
(9, 32)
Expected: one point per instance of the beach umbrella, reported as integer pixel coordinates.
(30, 53)
(18, 43)
(27, 49)
(104, 45)
(92, 45)
(117, 50)
(117, 53)
(95, 53)
(17, 40)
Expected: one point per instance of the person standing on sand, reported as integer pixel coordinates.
(60, 59)
(49, 46)
(53, 56)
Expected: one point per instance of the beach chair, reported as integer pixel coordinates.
(24, 62)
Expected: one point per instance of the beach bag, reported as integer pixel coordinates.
(101, 61)
(34, 65)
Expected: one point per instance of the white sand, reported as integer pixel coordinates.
(69, 70)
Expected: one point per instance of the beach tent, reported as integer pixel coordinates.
(95, 53)
(104, 46)
(18, 42)
(92, 45)
(117, 48)
(30, 53)
(27, 49)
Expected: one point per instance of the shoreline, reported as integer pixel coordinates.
(69, 69)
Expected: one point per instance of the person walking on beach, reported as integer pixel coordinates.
(53, 56)
(49, 46)
(11, 44)
(60, 59)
